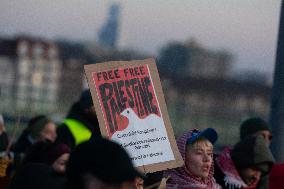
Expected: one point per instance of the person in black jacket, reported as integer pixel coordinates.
(55, 155)
(80, 123)
(243, 166)
(257, 126)
(32, 176)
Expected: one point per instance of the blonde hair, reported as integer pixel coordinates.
(202, 141)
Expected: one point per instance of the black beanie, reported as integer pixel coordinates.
(102, 158)
(252, 125)
(85, 100)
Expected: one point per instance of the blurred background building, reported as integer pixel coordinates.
(30, 73)
(45, 76)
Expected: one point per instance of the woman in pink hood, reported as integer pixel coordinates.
(196, 148)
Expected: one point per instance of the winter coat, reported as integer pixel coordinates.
(65, 136)
(31, 176)
(37, 176)
(249, 152)
(23, 143)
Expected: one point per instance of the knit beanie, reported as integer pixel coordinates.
(45, 152)
(102, 158)
(252, 125)
(37, 124)
(85, 100)
(253, 152)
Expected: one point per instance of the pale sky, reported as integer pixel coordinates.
(247, 28)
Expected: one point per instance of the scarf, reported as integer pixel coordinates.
(182, 178)
(232, 178)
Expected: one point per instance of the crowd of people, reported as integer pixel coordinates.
(74, 155)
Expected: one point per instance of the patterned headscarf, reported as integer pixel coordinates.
(232, 178)
(181, 178)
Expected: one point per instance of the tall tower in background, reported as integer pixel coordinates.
(108, 34)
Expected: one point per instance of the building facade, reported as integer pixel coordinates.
(30, 73)
(219, 103)
(207, 63)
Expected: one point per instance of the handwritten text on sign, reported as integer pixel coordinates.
(132, 114)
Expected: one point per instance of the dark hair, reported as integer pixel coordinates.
(33, 120)
(36, 124)
(252, 151)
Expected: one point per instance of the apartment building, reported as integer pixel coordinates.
(29, 75)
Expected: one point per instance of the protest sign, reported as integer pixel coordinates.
(131, 110)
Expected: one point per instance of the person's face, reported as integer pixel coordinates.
(198, 159)
(49, 132)
(266, 134)
(60, 163)
(250, 175)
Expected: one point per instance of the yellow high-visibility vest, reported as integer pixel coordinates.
(79, 131)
